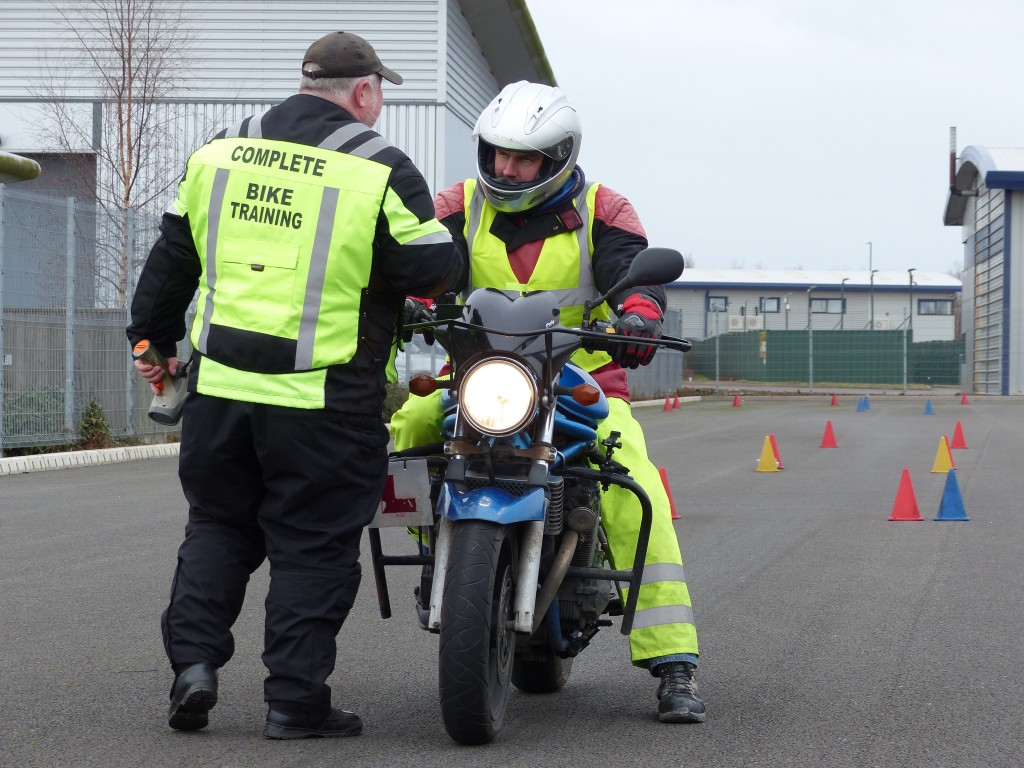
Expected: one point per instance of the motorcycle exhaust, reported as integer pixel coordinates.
(581, 522)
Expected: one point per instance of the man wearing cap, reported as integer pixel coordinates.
(303, 231)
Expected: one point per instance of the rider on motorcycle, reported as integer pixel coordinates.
(531, 221)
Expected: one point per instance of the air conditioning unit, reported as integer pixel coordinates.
(881, 324)
(755, 322)
(735, 322)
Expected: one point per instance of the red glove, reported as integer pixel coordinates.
(640, 317)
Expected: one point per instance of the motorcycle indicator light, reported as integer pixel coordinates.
(498, 396)
(586, 394)
(422, 385)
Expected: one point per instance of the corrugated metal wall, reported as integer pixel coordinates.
(243, 49)
(987, 277)
(470, 85)
(246, 58)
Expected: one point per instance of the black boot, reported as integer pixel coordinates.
(678, 699)
(340, 722)
(192, 697)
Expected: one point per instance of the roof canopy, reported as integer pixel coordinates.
(821, 279)
(997, 167)
(509, 40)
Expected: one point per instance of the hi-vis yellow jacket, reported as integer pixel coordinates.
(305, 252)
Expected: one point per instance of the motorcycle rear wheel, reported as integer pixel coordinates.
(477, 642)
(545, 675)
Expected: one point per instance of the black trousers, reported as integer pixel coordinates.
(296, 487)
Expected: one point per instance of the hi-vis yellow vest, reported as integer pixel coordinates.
(284, 233)
(564, 265)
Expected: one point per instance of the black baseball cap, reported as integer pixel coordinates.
(342, 54)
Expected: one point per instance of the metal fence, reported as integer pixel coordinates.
(868, 359)
(68, 269)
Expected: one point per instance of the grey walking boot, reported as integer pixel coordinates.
(678, 699)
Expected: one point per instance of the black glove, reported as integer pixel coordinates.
(638, 317)
(417, 311)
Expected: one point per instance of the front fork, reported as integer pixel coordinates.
(531, 541)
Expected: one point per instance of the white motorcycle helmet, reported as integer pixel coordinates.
(527, 117)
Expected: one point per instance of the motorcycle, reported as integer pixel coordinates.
(516, 576)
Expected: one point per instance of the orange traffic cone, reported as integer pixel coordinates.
(835, 400)
(675, 403)
(668, 492)
(905, 506)
(775, 450)
(668, 405)
(963, 399)
(943, 457)
(736, 401)
(828, 440)
(958, 437)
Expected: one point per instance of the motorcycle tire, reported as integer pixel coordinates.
(541, 676)
(477, 643)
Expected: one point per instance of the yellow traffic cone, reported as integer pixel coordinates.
(943, 458)
(767, 461)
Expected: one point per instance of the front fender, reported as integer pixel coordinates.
(492, 504)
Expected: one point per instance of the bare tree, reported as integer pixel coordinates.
(132, 58)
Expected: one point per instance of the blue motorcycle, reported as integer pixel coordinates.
(515, 569)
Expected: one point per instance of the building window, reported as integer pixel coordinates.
(769, 304)
(718, 304)
(827, 306)
(935, 307)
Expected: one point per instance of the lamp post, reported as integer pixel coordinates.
(842, 302)
(810, 343)
(787, 311)
(910, 317)
(873, 271)
(869, 255)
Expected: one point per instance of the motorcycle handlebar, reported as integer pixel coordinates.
(599, 335)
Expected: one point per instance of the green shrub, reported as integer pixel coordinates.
(94, 429)
(394, 399)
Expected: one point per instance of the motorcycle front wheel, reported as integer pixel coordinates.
(477, 642)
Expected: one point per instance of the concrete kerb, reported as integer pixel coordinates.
(19, 464)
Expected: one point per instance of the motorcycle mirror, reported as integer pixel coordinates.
(655, 266)
(652, 266)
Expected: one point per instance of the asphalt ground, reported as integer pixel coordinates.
(829, 635)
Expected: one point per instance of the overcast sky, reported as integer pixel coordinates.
(783, 134)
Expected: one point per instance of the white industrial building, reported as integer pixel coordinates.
(715, 301)
(454, 55)
(986, 199)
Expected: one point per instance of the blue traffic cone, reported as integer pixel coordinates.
(862, 404)
(867, 403)
(928, 410)
(952, 505)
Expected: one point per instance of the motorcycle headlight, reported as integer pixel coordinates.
(498, 396)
